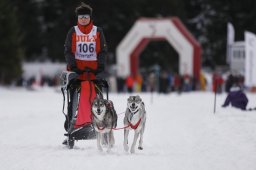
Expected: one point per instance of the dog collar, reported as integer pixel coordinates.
(134, 112)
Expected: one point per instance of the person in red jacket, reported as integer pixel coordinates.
(85, 51)
(129, 82)
(85, 45)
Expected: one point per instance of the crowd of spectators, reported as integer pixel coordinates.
(38, 81)
(164, 82)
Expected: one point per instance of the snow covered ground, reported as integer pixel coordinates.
(182, 133)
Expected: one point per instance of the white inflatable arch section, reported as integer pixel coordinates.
(148, 29)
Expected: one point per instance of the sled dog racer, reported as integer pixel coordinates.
(85, 52)
(85, 45)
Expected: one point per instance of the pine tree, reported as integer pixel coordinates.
(10, 51)
(30, 25)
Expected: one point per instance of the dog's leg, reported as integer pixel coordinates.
(99, 141)
(126, 133)
(108, 139)
(141, 137)
(104, 141)
(136, 135)
(112, 139)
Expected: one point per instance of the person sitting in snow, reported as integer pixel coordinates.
(236, 97)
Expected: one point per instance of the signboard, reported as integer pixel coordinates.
(250, 59)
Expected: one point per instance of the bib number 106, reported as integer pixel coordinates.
(84, 48)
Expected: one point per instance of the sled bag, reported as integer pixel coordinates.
(87, 96)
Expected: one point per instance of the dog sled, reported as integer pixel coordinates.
(77, 99)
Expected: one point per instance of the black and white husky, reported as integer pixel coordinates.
(104, 120)
(135, 119)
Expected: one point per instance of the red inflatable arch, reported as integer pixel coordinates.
(148, 29)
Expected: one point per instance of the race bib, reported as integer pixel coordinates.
(86, 45)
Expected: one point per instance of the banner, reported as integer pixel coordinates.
(250, 59)
(230, 40)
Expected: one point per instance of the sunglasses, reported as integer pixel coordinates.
(83, 16)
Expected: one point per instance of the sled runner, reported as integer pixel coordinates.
(78, 95)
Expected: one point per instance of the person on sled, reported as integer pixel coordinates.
(85, 50)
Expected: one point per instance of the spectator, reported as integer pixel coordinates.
(217, 83)
(203, 81)
(152, 82)
(129, 83)
(138, 83)
(237, 98)
(229, 82)
(177, 82)
(186, 83)
(163, 82)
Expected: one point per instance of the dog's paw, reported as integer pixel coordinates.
(132, 150)
(126, 147)
(100, 149)
(140, 148)
(109, 151)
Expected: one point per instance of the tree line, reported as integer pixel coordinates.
(35, 30)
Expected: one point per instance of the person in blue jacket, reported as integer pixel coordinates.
(237, 98)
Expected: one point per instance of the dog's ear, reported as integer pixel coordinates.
(138, 97)
(105, 102)
(130, 98)
(108, 103)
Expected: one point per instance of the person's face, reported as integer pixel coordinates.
(84, 19)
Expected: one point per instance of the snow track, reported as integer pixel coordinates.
(182, 133)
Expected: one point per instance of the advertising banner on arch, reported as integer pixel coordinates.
(250, 59)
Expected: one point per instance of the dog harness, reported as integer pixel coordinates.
(134, 126)
(86, 45)
(137, 124)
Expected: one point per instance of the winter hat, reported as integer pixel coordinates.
(83, 9)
